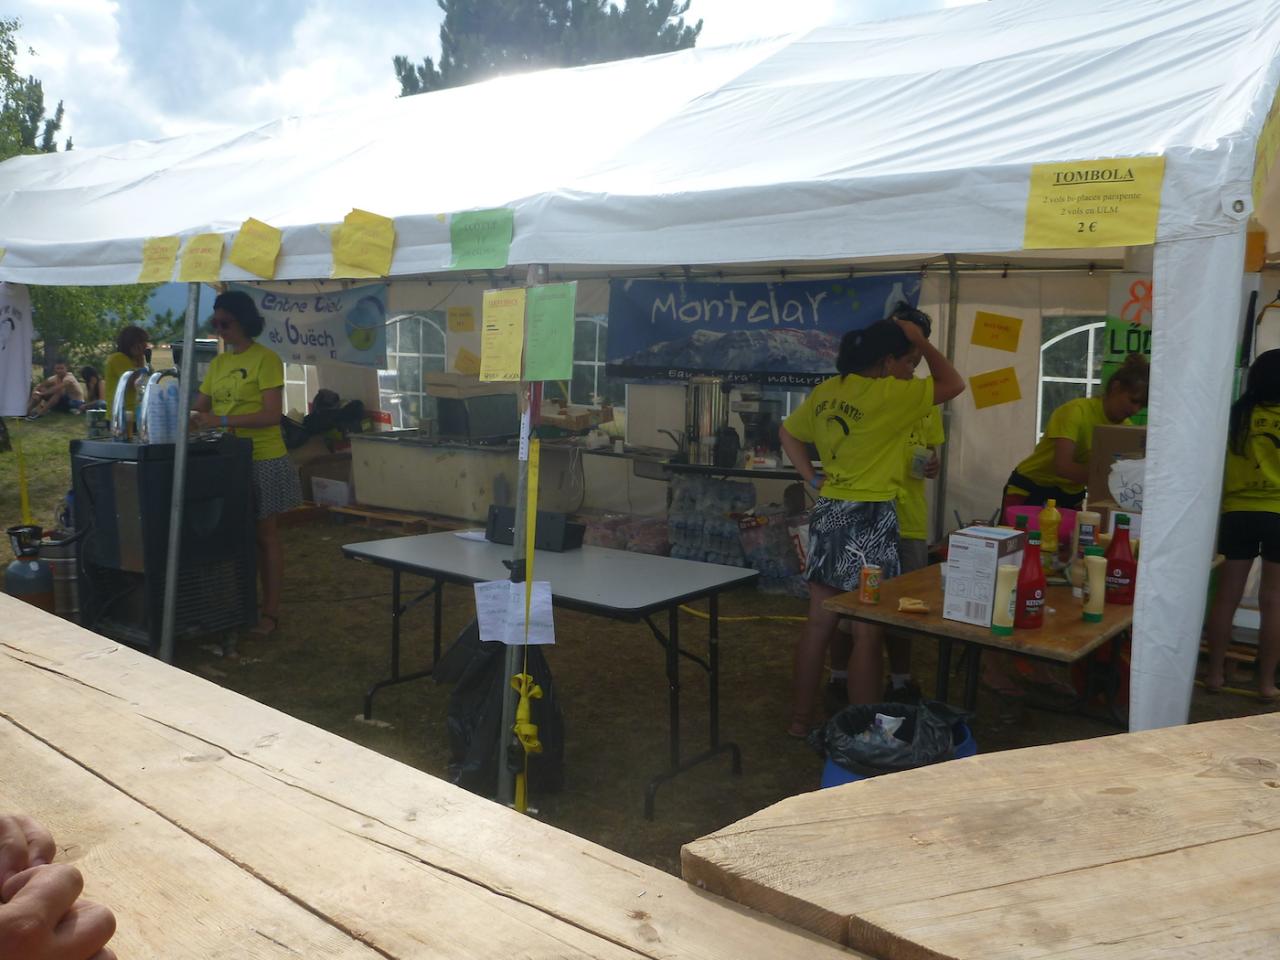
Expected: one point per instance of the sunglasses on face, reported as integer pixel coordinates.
(223, 324)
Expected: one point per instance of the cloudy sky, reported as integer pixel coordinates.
(144, 69)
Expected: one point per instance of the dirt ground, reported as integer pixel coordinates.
(610, 676)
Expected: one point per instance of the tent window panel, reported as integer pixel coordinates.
(591, 386)
(1070, 363)
(415, 347)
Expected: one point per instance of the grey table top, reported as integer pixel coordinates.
(591, 578)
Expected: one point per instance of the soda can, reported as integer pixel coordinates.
(869, 583)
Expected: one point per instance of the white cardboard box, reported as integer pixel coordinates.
(973, 554)
(331, 493)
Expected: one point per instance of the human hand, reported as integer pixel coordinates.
(817, 481)
(915, 336)
(205, 419)
(43, 918)
(933, 466)
(23, 843)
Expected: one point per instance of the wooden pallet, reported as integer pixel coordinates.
(375, 518)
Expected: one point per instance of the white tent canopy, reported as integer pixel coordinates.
(901, 138)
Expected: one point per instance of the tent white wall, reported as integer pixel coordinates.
(903, 138)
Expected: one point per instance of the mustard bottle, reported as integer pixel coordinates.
(1095, 586)
(1005, 600)
(1050, 521)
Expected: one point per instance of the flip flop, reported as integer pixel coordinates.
(258, 631)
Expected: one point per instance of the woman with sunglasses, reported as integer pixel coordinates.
(243, 392)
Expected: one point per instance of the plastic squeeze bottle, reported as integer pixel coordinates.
(1095, 584)
(1050, 521)
(1029, 614)
(1084, 536)
(1122, 569)
(1002, 610)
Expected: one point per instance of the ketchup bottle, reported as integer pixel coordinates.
(1122, 569)
(1029, 614)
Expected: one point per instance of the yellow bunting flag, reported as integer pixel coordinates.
(502, 334)
(462, 320)
(1094, 203)
(994, 388)
(159, 254)
(201, 259)
(466, 362)
(996, 331)
(364, 246)
(256, 248)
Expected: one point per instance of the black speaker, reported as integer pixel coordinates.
(555, 532)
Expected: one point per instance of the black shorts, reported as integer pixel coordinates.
(1245, 534)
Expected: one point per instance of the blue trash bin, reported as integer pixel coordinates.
(833, 774)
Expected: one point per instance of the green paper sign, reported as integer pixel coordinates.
(1119, 339)
(481, 239)
(548, 348)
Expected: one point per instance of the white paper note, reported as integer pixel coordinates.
(500, 612)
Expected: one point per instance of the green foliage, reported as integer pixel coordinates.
(480, 39)
(24, 105)
(80, 323)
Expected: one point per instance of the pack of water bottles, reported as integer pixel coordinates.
(701, 521)
(766, 542)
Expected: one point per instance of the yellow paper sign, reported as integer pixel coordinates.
(502, 334)
(201, 259)
(996, 331)
(462, 320)
(1094, 203)
(346, 271)
(364, 244)
(466, 362)
(256, 248)
(994, 388)
(3, 251)
(159, 254)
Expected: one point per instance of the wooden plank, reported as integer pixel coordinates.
(917, 864)
(1065, 637)
(173, 896)
(437, 829)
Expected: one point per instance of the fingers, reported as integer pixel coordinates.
(23, 843)
(46, 893)
(84, 930)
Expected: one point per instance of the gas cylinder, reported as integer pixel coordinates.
(28, 577)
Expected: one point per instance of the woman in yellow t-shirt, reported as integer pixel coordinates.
(1250, 525)
(1058, 468)
(243, 392)
(857, 420)
(131, 353)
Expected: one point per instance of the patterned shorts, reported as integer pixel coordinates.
(845, 534)
(275, 486)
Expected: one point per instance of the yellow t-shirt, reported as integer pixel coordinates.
(1252, 481)
(913, 522)
(857, 424)
(1073, 421)
(235, 383)
(118, 364)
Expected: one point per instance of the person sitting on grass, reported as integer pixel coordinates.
(62, 391)
(94, 390)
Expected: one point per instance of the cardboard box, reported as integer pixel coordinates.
(973, 554)
(1107, 510)
(1112, 442)
(331, 493)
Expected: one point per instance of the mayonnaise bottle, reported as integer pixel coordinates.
(1095, 586)
(1005, 601)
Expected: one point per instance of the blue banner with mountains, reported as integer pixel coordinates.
(780, 334)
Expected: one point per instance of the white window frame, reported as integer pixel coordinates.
(1089, 381)
(304, 375)
(393, 400)
(601, 324)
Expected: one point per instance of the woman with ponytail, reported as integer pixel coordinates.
(1058, 468)
(1250, 525)
(858, 421)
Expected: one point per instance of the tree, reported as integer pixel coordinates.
(480, 39)
(35, 130)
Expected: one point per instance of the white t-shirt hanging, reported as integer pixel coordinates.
(15, 349)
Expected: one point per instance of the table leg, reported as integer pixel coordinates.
(944, 670)
(712, 666)
(398, 610)
(971, 677)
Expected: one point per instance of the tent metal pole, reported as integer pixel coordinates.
(177, 498)
(953, 308)
(514, 657)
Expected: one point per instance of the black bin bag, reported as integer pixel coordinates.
(474, 721)
(927, 735)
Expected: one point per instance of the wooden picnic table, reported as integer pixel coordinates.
(217, 827)
(1065, 637)
(1147, 846)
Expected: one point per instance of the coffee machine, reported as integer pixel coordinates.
(761, 417)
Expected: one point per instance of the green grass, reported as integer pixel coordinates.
(44, 445)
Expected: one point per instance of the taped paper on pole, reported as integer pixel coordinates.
(500, 606)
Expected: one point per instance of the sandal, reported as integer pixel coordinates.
(259, 630)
